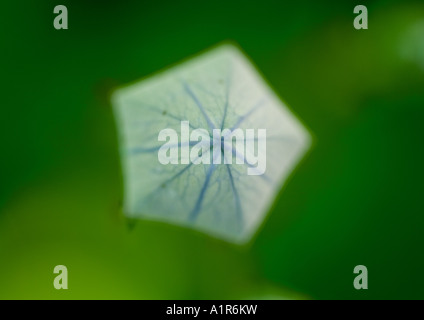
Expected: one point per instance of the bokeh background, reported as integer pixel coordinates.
(356, 199)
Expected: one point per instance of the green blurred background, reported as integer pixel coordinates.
(356, 199)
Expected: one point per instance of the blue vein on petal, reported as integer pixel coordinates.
(195, 212)
(239, 156)
(175, 176)
(169, 180)
(156, 148)
(227, 93)
(199, 105)
(236, 198)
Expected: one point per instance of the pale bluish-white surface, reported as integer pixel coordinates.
(218, 89)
